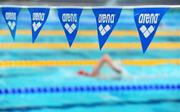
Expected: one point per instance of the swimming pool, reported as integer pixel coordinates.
(145, 73)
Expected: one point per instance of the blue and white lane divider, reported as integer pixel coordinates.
(81, 89)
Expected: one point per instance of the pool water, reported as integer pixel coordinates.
(60, 76)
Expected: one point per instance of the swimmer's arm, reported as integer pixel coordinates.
(105, 59)
(110, 62)
(99, 65)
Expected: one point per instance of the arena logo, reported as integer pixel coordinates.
(69, 18)
(38, 19)
(147, 18)
(10, 16)
(106, 19)
(147, 21)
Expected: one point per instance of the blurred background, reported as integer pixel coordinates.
(92, 2)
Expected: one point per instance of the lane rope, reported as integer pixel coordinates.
(118, 45)
(93, 89)
(87, 33)
(55, 63)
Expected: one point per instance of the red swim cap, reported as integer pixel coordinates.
(81, 72)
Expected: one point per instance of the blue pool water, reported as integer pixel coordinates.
(107, 101)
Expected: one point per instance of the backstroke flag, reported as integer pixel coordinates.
(147, 21)
(106, 19)
(38, 18)
(69, 18)
(10, 15)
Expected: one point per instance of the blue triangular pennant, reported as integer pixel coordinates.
(38, 18)
(10, 15)
(106, 19)
(147, 21)
(69, 18)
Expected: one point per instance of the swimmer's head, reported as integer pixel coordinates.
(82, 72)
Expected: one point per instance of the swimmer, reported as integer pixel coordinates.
(119, 72)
